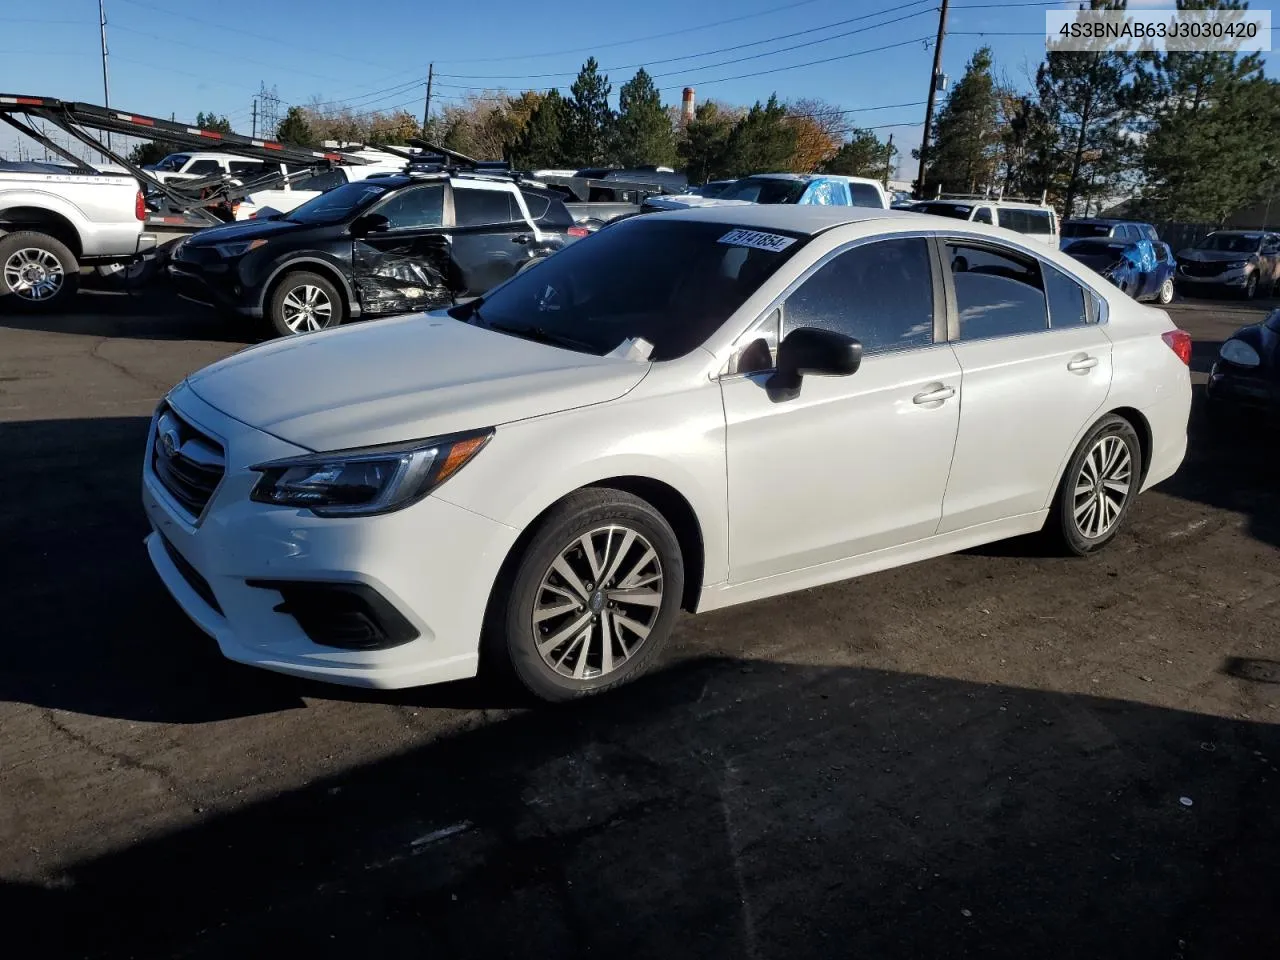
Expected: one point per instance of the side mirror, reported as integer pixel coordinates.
(809, 351)
(369, 223)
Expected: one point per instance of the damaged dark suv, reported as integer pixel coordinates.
(388, 244)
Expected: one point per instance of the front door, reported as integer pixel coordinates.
(853, 464)
(408, 266)
(1036, 370)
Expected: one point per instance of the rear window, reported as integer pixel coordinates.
(865, 195)
(550, 211)
(1026, 221)
(1074, 229)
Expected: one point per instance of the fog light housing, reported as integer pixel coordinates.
(347, 615)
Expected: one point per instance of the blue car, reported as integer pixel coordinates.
(1101, 227)
(1141, 268)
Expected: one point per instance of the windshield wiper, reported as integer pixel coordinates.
(541, 334)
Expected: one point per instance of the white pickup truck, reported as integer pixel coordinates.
(54, 221)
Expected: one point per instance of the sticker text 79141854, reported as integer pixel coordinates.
(757, 240)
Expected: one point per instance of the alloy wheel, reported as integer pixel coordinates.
(306, 309)
(33, 274)
(597, 602)
(1102, 487)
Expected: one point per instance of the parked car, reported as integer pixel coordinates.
(687, 410)
(1236, 261)
(374, 247)
(1100, 227)
(1246, 374)
(712, 188)
(785, 188)
(301, 189)
(1140, 268)
(1036, 220)
(53, 221)
(196, 166)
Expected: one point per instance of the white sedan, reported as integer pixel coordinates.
(686, 410)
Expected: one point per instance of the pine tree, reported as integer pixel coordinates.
(864, 155)
(643, 128)
(762, 141)
(963, 157)
(295, 129)
(590, 120)
(211, 121)
(704, 148)
(541, 142)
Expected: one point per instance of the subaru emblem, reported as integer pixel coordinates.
(169, 442)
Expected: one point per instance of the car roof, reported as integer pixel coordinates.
(797, 218)
(779, 176)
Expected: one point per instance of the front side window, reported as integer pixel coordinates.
(173, 161)
(412, 207)
(246, 166)
(983, 215)
(477, 208)
(998, 291)
(672, 283)
(205, 168)
(1066, 299)
(880, 293)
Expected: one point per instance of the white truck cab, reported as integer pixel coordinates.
(1038, 221)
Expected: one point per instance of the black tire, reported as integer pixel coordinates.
(51, 250)
(295, 284)
(1062, 524)
(511, 635)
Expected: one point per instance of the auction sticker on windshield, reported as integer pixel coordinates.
(757, 240)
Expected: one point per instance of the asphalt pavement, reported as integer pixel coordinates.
(1001, 753)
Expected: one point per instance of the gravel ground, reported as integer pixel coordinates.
(994, 754)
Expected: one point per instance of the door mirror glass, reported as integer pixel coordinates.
(810, 351)
(369, 223)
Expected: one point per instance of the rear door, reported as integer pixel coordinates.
(1035, 369)
(491, 236)
(408, 266)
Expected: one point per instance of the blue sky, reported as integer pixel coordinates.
(176, 57)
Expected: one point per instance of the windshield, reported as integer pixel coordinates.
(1073, 229)
(1231, 242)
(957, 211)
(765, 190)
(338, 204)
(670, 282)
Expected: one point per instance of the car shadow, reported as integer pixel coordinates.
(711, 811)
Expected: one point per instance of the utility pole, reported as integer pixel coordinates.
(426, 107)
(255, 117)
(933, 96)
(888, 164)
(106, 86)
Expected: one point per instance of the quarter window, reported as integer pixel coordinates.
(474, 208)
(865, 195)
(414, 207)
(998, 292)
(1066, 299)
(880, 293)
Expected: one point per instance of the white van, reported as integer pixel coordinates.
(1038, 220)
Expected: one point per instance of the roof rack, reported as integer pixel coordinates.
(987, 195)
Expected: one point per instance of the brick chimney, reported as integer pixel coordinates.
(686, 105)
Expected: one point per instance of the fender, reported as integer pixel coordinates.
(292, 263)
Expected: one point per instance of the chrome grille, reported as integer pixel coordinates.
(188, 463)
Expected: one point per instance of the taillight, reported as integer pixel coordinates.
(1179, 342)
(578, 232)
(140, 206)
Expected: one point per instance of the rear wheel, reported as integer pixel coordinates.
(1165, 296)
(592, 599)
(1098, 487)
(304, 302)
(37, 272)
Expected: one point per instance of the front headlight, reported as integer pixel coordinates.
(239, 248)
(1239, 353)
(368, 481)
(1237, 264)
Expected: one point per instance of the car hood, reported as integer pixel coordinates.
(1211, 256)
(244, 230)
(404, 379)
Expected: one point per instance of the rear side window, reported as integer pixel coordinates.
(1066, 299)
(204, 168)
(1026, 221)
(475, 208)
(999, 292)
(865, 195)
(880, 293)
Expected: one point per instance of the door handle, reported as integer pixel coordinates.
(935, 395)
(1082, 363)
(521, 238)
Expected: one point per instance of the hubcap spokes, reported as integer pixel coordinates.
(306, 309)
(1102, 487)
(33, 274)
(598, 602)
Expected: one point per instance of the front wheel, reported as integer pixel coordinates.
(37, 272)
(304, 303)
(591, 600)
(1098, 487)
(1165, 296)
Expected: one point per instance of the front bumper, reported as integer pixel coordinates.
(217, 289)
(1226, 279)
(433, 564)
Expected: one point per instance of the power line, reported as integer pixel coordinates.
(709, 53)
